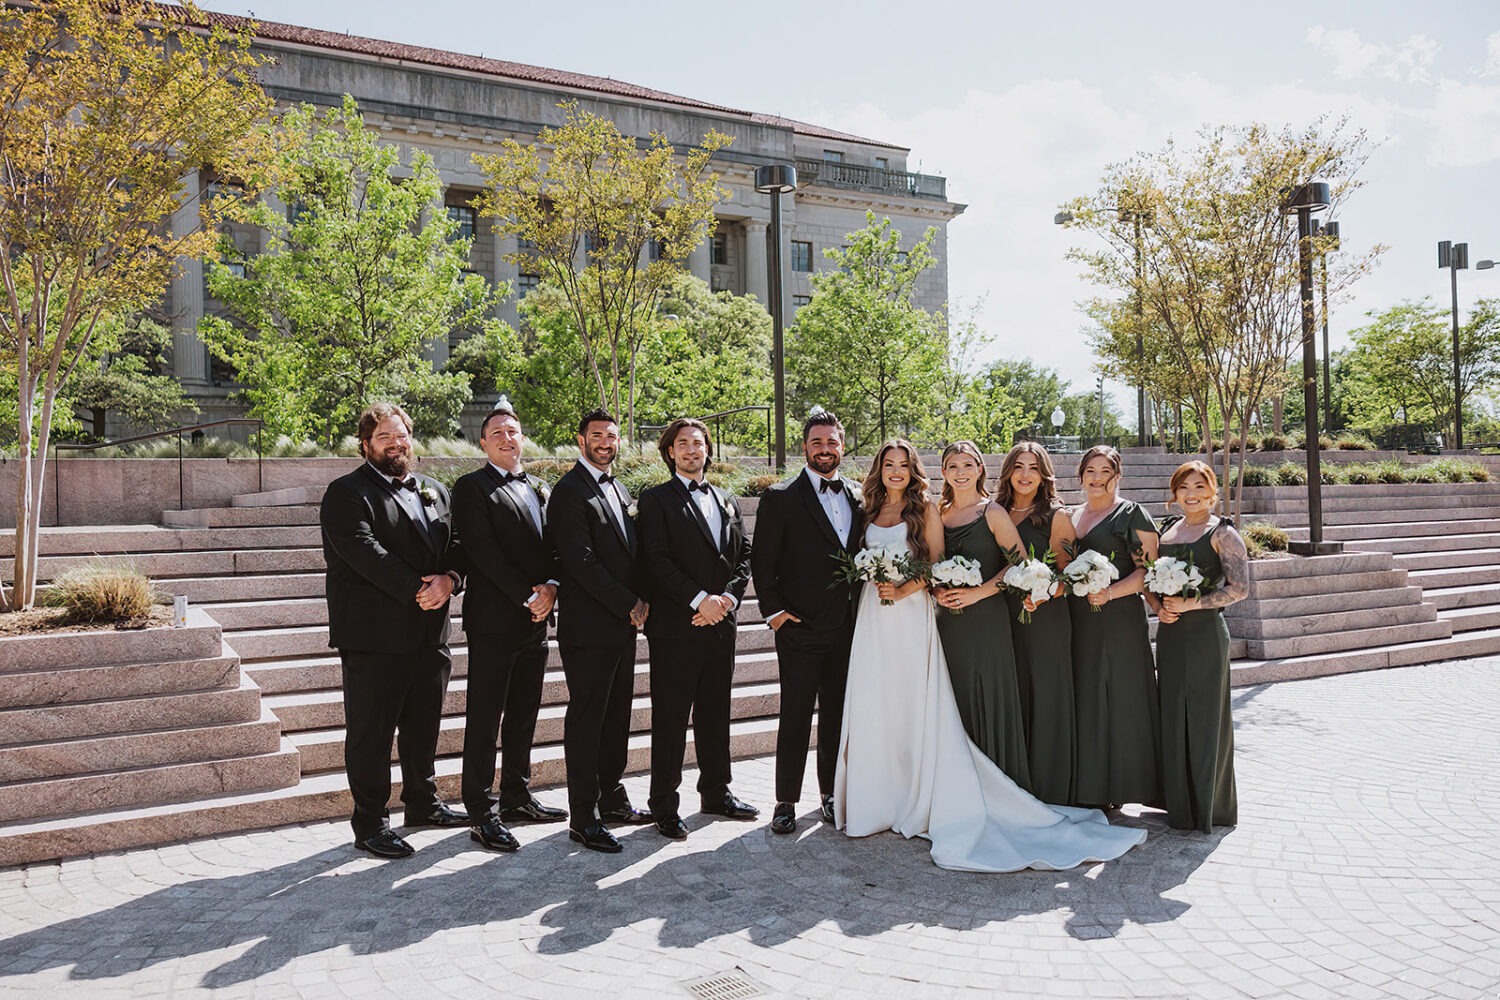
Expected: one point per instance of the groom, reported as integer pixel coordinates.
(801, 525)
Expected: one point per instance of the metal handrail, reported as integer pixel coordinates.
(260, 482)
(719, 425)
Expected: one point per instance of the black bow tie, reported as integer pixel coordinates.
(605, 478)
(836, 485)
(703, 486)
(409, 483)
(507, 478)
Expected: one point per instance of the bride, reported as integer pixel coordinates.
(904, 761)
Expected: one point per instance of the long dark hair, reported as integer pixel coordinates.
(914, 507)
(1046, 493)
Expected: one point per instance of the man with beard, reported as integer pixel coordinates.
(800, 526)
(501, 514)
(599, 610)
(696, 560)
(393, 562)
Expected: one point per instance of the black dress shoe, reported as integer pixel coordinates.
(731, 807)
(442, 816)
(596, 837)
(828, 808)
(784, 818)
(386, 844)
(672, 828)
(627, 814)
(533, 812)
(492, 834)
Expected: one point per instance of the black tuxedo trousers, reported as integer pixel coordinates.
(505, 679)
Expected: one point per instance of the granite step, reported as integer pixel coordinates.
(1327, 569)
(323, 749)
(1439, 543)
(1392, 514)
(131, 715)
(318, 797)
(240, 517)
(222, 589)
(1457, 527)
(1447, 560)
(149, 785)
(33, 761)
(1334, 622)
(1247, 671)
(90, 540)
(291, 496)
(1278, 609)
(1334, 642)
(32, 688)
(1460, 577)
(1465, 596)
(163, 565)
(200, 638)
(1473, 618)
(1338, 583)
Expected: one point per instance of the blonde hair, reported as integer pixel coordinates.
(962, 448)
(1046, 493)
(914, 496)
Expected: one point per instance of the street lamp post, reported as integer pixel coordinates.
(1302, 201)
(1455, 257)
(1330, 232)
(775, 180)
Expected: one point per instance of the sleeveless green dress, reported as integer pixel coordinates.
(982, 661)
(1114, 680)
(1197, 735)
(1044, 666)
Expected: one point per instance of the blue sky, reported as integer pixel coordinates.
(1021, 106)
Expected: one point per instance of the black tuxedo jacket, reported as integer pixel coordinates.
(793, 561)
(376, 556)
(679, 557)
(505, 553)
(599, 584)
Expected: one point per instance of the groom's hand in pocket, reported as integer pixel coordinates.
(780, 618)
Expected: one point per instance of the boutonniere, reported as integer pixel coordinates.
(429, 496)
(729, 507)
(856, 494)
(632, 510)
(542, 492)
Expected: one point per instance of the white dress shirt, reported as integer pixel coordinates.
(838, 506)
(524, 494)
(713, 516)
(410, 500)
(611, 495)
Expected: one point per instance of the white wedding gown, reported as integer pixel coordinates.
(906, 764)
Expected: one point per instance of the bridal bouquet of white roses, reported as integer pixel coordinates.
(956, 571)
(1031, 578)
(1172, 577)
(876, 564)
(1089, 573)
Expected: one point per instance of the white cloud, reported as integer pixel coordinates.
(1492, 55)
(1465, 124)
(1353, 57)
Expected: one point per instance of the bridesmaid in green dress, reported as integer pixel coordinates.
(1114, 681)
(1192, 658)
(977, 643)
(1044, 646)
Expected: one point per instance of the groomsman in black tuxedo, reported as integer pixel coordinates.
(599, 609)
(799, 526)
(393, 562)
(696, 558)
(501, 514)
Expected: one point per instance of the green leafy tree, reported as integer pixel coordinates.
(351, 289)
(105, 108)
(131, 376)
(609, 221)
(863, 347)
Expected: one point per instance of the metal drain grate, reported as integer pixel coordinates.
(724, 986)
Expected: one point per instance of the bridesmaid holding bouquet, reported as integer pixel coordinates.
(976, 642)
(1192, 652)
(1119, 739)
(1044, 645)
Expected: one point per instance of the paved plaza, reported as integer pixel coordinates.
(1367, 864)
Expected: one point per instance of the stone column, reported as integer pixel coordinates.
(507, 273)
(700, 261)
(755, 270)
(189, 355)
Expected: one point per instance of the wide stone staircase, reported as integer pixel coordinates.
(1420, 582)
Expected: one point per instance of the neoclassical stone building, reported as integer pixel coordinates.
(454, 106)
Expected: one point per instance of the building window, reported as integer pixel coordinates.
(802, 255)
(832, 156)
(901, 257)
(654, 249)
(526, 284)
(882, 163)
(464, 216)
(798, 301)
(720, 249)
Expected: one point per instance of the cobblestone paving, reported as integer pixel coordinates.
(1367, 864)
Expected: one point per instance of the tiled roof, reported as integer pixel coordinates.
(273, 31)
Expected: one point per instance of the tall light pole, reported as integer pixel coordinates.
(1455, 257)
(1140, 217)
(1330, 234)
(1302, 201)
(776, 180)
